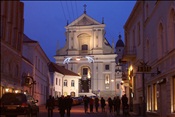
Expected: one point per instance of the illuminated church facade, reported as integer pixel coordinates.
(88, 53)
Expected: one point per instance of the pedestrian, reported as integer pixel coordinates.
(114, 104)
(118, 103)
(62, 106)
(124, 101)
(110, 104)
(91, 104)
(103, 104)
(96, 104)
(86, 101)
(50, 106)
(69, 101)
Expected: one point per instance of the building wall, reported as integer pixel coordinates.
(156, 46)
(12, 24)
(34, 53)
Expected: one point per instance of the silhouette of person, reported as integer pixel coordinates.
(118, 103)
(124, 101)
(50, 106)
(96, 104)
(110, 104)
(62, 106)
(86, 101)
(69, 101)
(91, 104)
(103, 104)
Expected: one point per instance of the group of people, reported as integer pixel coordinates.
(64, 105)
(114, 104)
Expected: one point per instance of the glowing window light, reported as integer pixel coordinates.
(6, 90)
(16, 91)
(77, 59)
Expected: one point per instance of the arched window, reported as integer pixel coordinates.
(65, 83)
(72, 83)
(107, 79)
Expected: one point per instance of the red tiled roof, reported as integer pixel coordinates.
(54, 67)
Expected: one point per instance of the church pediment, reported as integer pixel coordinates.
(84, 20)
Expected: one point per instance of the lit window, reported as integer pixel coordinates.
(149, 99)
(72, 83)
(65, 83)
(107, 79)
(154, 97)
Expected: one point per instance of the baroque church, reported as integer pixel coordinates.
(89, 54)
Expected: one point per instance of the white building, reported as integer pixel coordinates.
(150, 38)
(88, 53)
(64, 82)
(33, 52)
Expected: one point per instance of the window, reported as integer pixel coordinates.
(106, 67)
(149, 99)
(84, 47)
(154, 97)
(107, 79)
(65, 83)
(118, 86)
(85, 71)
(56, 81)
(72, 83)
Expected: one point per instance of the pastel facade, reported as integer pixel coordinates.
(150, 38)
(33, 52)
(88, 53)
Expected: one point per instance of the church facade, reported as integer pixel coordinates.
(88, 53)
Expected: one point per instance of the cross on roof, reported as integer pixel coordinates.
(85, 8)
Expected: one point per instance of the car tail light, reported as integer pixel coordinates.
(24, 105)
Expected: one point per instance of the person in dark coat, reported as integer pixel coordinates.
(50, 106)
(69, 101)
(62, 106)
(118, 103)
(110, 104)
(124, 101)
(91, 104)
(86, 101)
(114, 104)
(96, 104)
(103, 104)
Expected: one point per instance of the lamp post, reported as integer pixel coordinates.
(144, 68)
(30, 82)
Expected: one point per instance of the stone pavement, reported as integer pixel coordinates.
(78, 111)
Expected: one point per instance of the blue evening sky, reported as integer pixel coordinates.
(45, 21)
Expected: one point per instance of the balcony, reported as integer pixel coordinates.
(129, 53)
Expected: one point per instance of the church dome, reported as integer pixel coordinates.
(119, 42)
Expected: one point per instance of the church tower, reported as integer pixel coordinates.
(88, 53)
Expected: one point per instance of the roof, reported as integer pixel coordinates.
(54, 67)
(26, 39)
(119, 42)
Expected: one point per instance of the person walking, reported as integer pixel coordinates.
(110, 104)
(50, 106)
(86, 101)
(96, 104)
(103, 104)
(114, 104)
(69, 101)
(118, 103)
(62, 106)
(124, 102)
(91, 104)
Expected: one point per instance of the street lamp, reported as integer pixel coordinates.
(29, 81)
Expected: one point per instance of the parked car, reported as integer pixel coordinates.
(14, 104)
